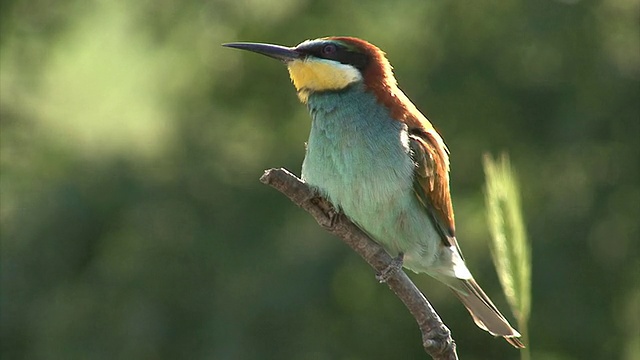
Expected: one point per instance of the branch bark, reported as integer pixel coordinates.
(436, 337)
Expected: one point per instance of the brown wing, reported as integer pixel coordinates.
(430, 154)
(431, 181)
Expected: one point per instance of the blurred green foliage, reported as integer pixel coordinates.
(510, 249)
(133, 225)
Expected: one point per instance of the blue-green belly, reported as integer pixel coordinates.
(359, 158)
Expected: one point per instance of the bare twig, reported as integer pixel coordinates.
(436, 337)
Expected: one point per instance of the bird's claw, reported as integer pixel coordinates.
(334, 216)
(395, 265)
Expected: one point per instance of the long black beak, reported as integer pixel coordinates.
(282, 53)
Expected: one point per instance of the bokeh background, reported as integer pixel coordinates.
(134, 226)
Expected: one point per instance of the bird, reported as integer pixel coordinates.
(381, 162)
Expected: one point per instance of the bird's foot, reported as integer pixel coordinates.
(334, 216)
(395, 265)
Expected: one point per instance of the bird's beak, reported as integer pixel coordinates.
(282, 53)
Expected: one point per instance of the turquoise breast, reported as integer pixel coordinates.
(359, 158)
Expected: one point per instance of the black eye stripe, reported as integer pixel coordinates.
(329, 49)
(358, 60)
(337, 52)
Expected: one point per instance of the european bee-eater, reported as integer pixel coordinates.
(381, 162)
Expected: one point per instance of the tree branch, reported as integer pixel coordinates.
(436, 337)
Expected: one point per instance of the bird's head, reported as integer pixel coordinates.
(330, 64)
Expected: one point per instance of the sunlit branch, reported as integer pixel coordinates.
(436, 337)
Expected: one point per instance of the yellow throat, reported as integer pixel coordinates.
(309, 75)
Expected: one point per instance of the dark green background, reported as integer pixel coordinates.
(134, 225)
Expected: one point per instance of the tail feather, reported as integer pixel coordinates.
(485, 314)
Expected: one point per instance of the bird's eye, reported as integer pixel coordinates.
(329, 49)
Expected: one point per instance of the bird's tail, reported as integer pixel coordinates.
(485, 314)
